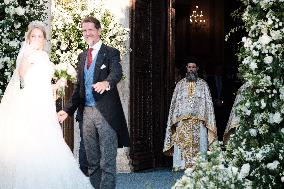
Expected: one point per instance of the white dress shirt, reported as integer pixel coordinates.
(96, 47)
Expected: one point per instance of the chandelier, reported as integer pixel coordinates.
(197, 18)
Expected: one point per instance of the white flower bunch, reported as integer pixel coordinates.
(244, 172)
(275, 118)
(253, 132)
(214, 173)
(259, 137)
(265, 39)
(67, 41)
(273, 165)
(265, 4)
(64, 72)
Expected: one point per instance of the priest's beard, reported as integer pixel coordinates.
(191, 76)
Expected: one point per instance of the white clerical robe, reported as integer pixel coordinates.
(234, 119)
(191, 126)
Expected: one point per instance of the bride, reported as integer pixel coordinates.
(33, 153)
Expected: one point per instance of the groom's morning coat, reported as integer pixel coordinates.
(107, 68)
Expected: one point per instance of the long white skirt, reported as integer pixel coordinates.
(33, 153)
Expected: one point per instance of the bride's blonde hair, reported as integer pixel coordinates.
(35, 24)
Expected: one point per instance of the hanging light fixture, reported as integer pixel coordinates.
(197, 18)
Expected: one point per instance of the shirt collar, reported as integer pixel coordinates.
(97, 46)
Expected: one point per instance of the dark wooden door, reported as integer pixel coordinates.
(68, 125)
(151, 80)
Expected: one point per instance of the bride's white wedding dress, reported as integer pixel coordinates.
(33, 153)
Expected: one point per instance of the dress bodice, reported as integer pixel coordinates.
(40, 72)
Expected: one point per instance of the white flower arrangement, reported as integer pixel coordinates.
(17, 16)
(255, 153)
(67, 40)
(214, 173)
(64, 72)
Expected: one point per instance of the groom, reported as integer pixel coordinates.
(97, 99)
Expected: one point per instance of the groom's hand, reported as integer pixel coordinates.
(62, 115)
(101, 87)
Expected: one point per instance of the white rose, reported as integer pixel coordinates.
(264, 39)
(245, 61)
(282, 179)
(247, 104)
(188, 171)
(282, 130)
(276, 34)
(17, 25)
(259, 156)
(244, 171)
(273, 165)
(6, 2)
(281, 90)
(10, 10)
(247, 42)
(20, 11)
(185, 180)
(14, 43)
(255, 53)
(7, 59)
(58, 52)
(234, 170)
(269, 22)
(253, 65)
(248, 112)
(63, 46)
(268, 59)
(222, 167)
(71, 71)
(253, 132)
(275, 118)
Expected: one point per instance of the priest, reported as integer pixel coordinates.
(191, 126)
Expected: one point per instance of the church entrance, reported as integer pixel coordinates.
(162, 37)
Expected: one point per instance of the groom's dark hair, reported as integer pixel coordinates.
(92, 20)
